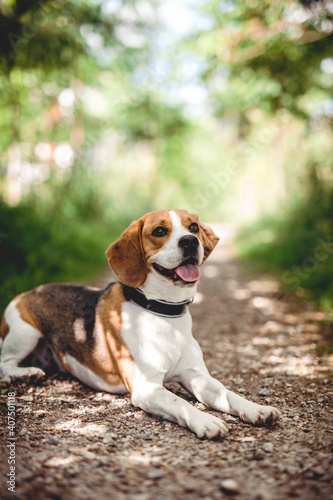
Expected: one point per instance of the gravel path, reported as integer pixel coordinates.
(76, 443)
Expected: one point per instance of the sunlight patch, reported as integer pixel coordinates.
(242, 294)
(210, 271)
(59, 461)
(76, 425)
(142, 458)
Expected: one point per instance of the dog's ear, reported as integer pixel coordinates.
(127, 258)
(208, 238)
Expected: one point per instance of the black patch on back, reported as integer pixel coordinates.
(57, 307)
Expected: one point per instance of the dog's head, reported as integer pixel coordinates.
(171, 244)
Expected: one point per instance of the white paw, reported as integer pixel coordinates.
(34, 374)
(261, 415)
(29, 375)
(208, 426)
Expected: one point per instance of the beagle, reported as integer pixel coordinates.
(135, 334)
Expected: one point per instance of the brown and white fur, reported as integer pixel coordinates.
(113, 345)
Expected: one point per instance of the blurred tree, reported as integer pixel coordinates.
(46, 34)
(270, 53)
(52, 66)
(41, 49)
(269, 67)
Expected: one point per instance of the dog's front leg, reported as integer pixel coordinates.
(154, 398)
(214, 394)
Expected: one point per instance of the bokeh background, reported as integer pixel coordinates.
(110, 109)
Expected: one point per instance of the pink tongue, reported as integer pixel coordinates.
(190, 272)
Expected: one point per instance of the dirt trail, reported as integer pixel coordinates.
(76, 443)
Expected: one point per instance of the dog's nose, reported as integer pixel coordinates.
(189, 243)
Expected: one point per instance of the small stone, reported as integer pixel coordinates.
(247, 439)
(318, 471)
(264, 393)
(145, 436)
(140, 496)
(92, 438)
(108, 439)
(229, 486)
(291, 470)
(155, 474)
(28, 399)
(94, 447)
(53, 441)
(110, 433)
(268, 447)
(121, 473)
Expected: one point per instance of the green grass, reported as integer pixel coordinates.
(42, 244)
(326, 327)
(298, 254)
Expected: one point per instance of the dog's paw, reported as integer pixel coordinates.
(208, 426)
(33, 375)
(261, 415)
(27, 375)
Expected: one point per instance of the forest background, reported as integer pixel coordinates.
(112, 109)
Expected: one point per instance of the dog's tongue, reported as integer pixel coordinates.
(189, 272)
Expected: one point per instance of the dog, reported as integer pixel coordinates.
(135, 334)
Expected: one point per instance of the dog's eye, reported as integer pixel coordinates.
(194, 228)
(160, 231)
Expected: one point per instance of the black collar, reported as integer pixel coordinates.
(159, 307)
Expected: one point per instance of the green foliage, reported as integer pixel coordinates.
(46, 34)
(272, 52)
(56, 239)
(149, 118)
(265, 69)
(298, 248)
